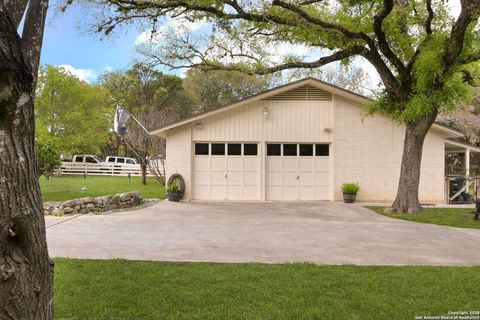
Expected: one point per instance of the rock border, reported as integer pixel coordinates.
(93, 204)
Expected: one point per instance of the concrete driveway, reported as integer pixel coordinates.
(269, 232)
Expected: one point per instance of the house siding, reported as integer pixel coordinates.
(288, 121)
(179, 156)
(369, 151)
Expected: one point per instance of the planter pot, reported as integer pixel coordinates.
(174, 196)
(349, 197)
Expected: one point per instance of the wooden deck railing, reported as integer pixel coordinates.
(469, 185)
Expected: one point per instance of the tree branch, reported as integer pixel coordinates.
(15, 9)
(382, 41)
(32, 36)
(469, 13)
(326, 25)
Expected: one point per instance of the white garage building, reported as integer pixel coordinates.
(300, 141)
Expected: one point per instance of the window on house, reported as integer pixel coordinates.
(201, 149)
(250, 149)
(234, 149)
(273, 149)
(306, 149)
(218, 149)
(289, 149)
(322, 150)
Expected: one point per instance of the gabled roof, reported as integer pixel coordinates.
(278, 90)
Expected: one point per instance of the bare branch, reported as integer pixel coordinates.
(326, 25)
(428, 23)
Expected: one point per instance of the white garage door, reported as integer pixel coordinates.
(297, 171)
(226, 171)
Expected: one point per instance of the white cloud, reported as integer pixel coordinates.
(87, 75)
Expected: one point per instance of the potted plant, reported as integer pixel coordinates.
(174, 192)
(350, 190)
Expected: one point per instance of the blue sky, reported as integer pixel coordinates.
(68, 43)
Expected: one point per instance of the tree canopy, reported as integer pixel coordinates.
(71, 115)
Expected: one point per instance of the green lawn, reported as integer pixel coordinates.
(70, 187)
(119, 289)
(447, 217)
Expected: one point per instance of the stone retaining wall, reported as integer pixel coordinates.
(95, 205)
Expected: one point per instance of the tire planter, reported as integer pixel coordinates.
(349, 197)
(178, 180)
(174, 196)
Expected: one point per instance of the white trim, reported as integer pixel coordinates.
(462, 145)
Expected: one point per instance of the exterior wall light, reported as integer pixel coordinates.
(265, 112)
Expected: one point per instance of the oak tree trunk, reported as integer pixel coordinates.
(26, 275)
(407, 200)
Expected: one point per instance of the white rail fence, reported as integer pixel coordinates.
(100, 169)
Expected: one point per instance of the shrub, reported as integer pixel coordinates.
(48, 158)
(173, 188)
(350, 187)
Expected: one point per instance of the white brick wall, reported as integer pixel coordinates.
(179, 155)
(370, 152)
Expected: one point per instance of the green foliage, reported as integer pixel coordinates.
(350, 187)
(173, 188)
(121, 289)
(457, 217)
(48, 158)
(70, 187)
(74, 116)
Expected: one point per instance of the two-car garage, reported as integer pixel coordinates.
(233, 171)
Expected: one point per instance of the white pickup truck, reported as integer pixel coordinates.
(85, 164)
(84, 158)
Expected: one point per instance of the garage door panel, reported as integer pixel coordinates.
(217, 178)
(290, 192)
(290, 164)
(250, 164)
(290, 179)
(202, 177)
(306, 164)
(226, 177)
(250, 192)
(275, 178)
(202, 163)
(234, 163)
(322, 178)
(322, 163)
(275, 193)
(250, 179)
(306, 193)
(218, 164)
(235, 193)
(201, 192)
(313, 177)
(217, 192)
(235, 178)
(306, 178)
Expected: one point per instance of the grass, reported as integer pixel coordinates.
(119, 289)
(462, 218)
(70, 187)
